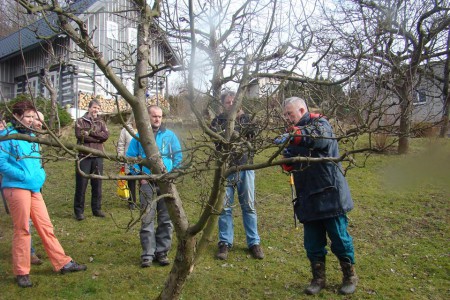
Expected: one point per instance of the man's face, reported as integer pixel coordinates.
(293, 113)
(94, 110)
(228, 103)
(27, 118)
(38, 120)
(155, 117)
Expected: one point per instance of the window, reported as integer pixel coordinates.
(112, 30)
(54, 81)
(129, 82)
(420, 97)
(32, 87)
(104, 87)
(132, 36)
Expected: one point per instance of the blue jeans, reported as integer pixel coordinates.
(244, 182)
(152, 241)
(315, 239)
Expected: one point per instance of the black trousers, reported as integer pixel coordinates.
(132, 187)
(91, 165)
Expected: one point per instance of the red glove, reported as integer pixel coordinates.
(287, 168)
(316, 116)
(296, 135)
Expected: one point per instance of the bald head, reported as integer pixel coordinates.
(38, 120)
(155, 114)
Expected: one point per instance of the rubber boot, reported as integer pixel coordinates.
(318, 281)
(349, 280)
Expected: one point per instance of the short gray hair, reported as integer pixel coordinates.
(225, 94)
(295, 101)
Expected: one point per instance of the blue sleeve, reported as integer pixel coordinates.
(6, 168)
(317, 135)
(177, 155)
(133, 151)
(133, 148)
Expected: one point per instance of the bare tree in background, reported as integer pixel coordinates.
(224, 46)
(401, 41)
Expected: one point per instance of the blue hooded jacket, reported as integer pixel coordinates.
(168, 145)
(20, 164)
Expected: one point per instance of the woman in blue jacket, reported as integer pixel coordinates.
(23, 178)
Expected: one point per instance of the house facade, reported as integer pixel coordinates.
(23, 57)
(382, 106)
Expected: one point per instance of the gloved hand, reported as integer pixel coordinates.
(280, 140)
(296, 133)
(287, 167)
(286, 154)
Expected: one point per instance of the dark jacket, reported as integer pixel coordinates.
(243, 129)
(98, 133)
(322, 190)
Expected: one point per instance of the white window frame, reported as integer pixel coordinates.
(129, 83)
(112, 30)
(132, 36)
(34, 82)
(420, 97)
(54, 78)
(104, 87)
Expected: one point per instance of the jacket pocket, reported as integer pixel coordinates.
(325, 201)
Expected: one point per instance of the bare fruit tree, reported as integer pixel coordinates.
(404, 46)
(223, 45)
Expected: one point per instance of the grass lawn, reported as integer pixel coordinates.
(400, 227)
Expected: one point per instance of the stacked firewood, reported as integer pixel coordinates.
(109, 105)
(160, 101)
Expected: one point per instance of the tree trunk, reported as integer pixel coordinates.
(405, 93)
(182, 266)
(446, 94)
(405, 120)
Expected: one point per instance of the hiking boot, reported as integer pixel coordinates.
(99, 214)
(35, 260)
(349, 280)
(79, 217)
(162, 259)
(257, 252)
(24, 281)
(131, 206)
(72, 266)
(145, 263)
(222, 254)
(318, 281)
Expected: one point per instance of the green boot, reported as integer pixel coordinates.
(318, 281)
(349, 280)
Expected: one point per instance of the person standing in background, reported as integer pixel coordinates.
(90, 131)
(122, 146)
(242, 181)
(155, 243)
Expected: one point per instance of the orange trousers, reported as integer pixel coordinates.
(24, 204)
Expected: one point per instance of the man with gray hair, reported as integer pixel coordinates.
(243, 181)
(323, 195)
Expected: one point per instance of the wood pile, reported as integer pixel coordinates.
(109, 105)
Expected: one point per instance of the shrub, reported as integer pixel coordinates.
(42, 104)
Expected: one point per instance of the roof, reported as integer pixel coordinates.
(26, 37)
